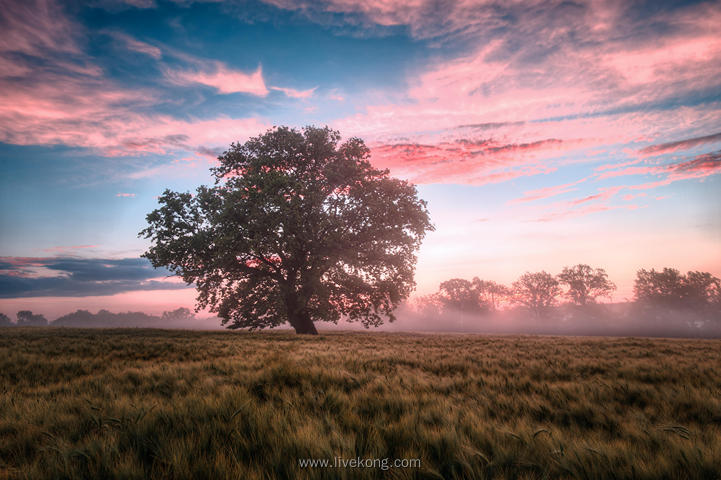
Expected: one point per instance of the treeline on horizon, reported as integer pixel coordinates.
(665, 302)
(179, 318)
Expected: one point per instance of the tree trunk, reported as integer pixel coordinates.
(307, 327)
(297, 316)
(303, 324)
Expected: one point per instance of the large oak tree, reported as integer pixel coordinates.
(298, 227)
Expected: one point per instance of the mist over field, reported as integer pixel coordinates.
(624, 319)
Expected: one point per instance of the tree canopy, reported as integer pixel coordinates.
(672, 289)
(298, 227)
(585, 284)
(459, 294)
(536, 291)
(5, 321)
(26, 318)
(490, 293)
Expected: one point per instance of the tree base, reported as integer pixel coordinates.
(304, 326)
(307, 329)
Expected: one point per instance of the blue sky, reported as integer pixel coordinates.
(543, 134)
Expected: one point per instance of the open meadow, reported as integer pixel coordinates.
(136, 403)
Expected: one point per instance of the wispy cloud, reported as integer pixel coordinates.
(547, 192)
(293, 93)
(137, 46)
(224, 79)
(569, 72)
(465, 160)
(699, 166)
(52, 92)
(680, 144)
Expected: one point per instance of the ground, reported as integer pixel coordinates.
(140, 403)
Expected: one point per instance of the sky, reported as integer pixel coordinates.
(542, 134)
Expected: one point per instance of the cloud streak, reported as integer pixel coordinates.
(680, 144)
(222, 78)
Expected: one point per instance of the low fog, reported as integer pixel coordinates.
(610, 319)
(666, 303)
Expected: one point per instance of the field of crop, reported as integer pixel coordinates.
(217, 405)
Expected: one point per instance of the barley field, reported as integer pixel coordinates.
(135, 403)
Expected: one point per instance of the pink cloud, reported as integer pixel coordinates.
(629, 171)
(293, 93)
(680, 144)
(138, 46)
(93, 113)
(609, 166)
(525, 96)
(605, 194)
(126, 195)
(631, 196)
(68, 101)
(222, 78)
(580, 212)
(37, 28)
(699, 166)
(471, 161)
(547, 192)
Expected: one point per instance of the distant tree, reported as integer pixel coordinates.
(179, 315)
(536, 291)
(669, 288)
(585, 284)
(299, 228)
(459, 294)
(5, 321)
(26, 318)
(702, 290)
(665, 288)
(107, 319)
(79, 318)
(428, 305)
(490, 293)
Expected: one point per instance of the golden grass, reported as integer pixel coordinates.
(216, 405)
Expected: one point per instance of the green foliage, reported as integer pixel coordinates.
(298, 228)
(152, 404)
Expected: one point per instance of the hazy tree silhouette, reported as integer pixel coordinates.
(536, 291)
(26, 318)
(671, 289)
(703, 291)
(179, 315)
(490, 293)
(5, 321)
(459, 294)
(585, 284)
(298, 227)
(664, 288)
